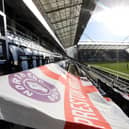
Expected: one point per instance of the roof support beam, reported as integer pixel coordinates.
(67, 38)
(66, 32)
(66, 26)
(65, 19)
(67, 35)
(86, 11)
(65, 7)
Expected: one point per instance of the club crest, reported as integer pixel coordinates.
(28, 84)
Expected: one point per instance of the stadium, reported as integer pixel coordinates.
(111, 57)
(51, 77)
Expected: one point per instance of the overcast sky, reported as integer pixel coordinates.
(109, 22)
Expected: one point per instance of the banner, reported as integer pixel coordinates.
(48, 97)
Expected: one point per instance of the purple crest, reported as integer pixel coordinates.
(28, 84)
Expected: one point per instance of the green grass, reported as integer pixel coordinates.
(119, 68)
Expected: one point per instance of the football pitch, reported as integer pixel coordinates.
(118, 68)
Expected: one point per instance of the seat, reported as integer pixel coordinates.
(13, 51)
(43, 58)
(34, 59)
(40, 58)
(1, 51)
(18, 57)
(46, 60)
(28, 54)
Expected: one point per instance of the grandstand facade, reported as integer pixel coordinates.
(103, 55)
(103, 52)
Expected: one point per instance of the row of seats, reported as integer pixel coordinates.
(23, 58)
(24, 53)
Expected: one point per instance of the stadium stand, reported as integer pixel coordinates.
(24, 49)
(103, 55)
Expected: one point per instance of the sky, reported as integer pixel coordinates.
(109, 22)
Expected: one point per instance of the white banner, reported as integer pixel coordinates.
(48, 97)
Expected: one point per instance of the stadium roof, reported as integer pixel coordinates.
(59, 22)
(68, 18)
(103, 45)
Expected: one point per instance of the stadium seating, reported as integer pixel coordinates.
(19, 59)
(28, 55)
(34, 59)
(103, 55)
(25, 51)
(40, 58)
